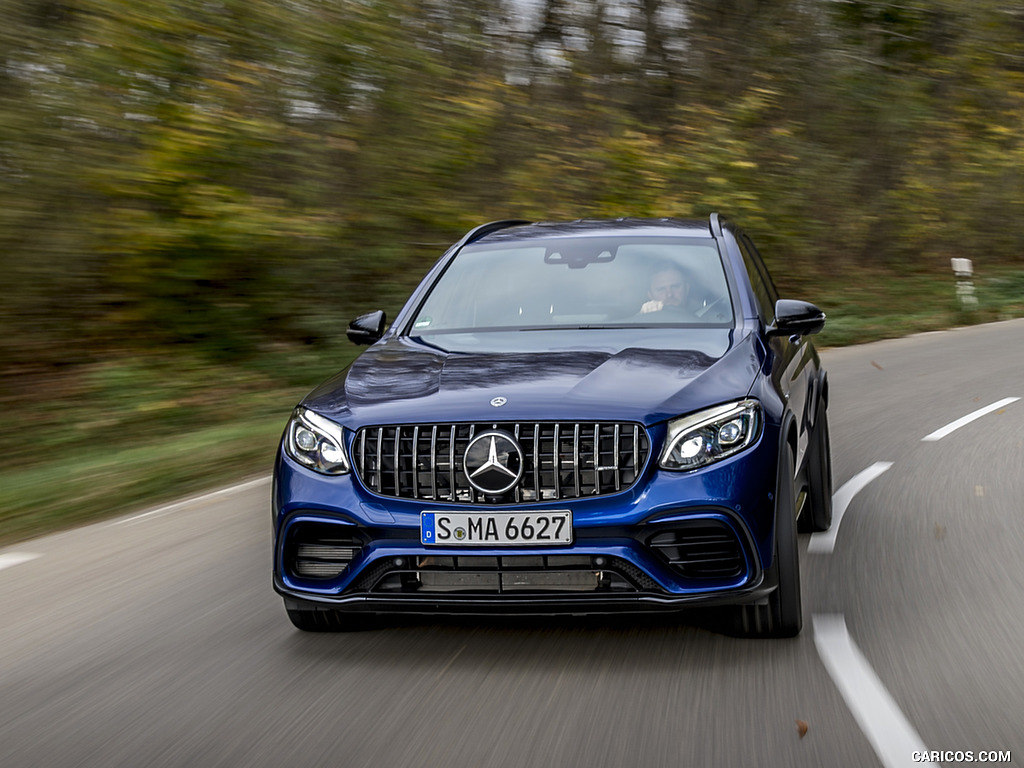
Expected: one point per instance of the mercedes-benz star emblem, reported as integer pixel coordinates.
(493, 462)
(499, 401)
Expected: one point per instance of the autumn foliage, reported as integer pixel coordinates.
(221, 175)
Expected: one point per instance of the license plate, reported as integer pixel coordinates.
(496, 529)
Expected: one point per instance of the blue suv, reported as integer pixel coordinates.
(565, 418)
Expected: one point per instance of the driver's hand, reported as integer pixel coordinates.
(652, 306)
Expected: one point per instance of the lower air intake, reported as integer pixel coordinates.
(702, 549)
(476, 574)
(320, 550)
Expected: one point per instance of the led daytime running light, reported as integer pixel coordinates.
(316, 442)
(703, 438)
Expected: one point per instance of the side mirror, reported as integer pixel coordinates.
(368, 328)
(796, 318)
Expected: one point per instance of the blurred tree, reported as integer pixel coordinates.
(219, 176)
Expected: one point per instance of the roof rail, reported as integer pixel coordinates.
(716, 225)
(485, 229)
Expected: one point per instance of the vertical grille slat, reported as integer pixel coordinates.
(560, 460)
(636, 451)
(415, 463)
(576, 458)
(380, 461)
(615, 461)
(451, 464)
(362, 453)
(470, 491)
(536, 462)
(433, 462)
(518, 490)
(556, 468)
(397, 467)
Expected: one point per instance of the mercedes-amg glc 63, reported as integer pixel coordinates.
(565, 418)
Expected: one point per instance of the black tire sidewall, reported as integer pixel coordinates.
(785, 602)
(820, 464)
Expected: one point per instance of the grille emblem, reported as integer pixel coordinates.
(499, 401)
(493, 462)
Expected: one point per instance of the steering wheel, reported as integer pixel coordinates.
(707, 308)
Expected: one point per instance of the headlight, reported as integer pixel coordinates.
(703, 438)
(316, 442)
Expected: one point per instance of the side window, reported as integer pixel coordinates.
(764, 291)
(765, 274)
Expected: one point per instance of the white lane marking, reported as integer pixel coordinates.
(955, 425)
(16, 558)
(893, 737)
(194, 500)
(823, 543)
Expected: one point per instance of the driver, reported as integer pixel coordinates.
(669, 288)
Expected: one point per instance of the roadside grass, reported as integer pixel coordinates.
(873, 306)
(140, 431)
(105, 481)
(136, 432)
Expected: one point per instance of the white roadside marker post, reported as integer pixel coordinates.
(963, 269)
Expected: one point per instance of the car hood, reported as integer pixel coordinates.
(636, 375)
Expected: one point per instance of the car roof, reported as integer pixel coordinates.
(518, 232)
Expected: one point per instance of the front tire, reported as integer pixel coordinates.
(818, 516)
(781, 615)
(322, 620)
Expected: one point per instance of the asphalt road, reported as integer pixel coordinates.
(156, 640)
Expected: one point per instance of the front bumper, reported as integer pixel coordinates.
(637, 551)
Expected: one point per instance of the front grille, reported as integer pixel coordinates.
(479, 574)
(560, 460)
(702, 549)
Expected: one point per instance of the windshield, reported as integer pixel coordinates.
(580, 282)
